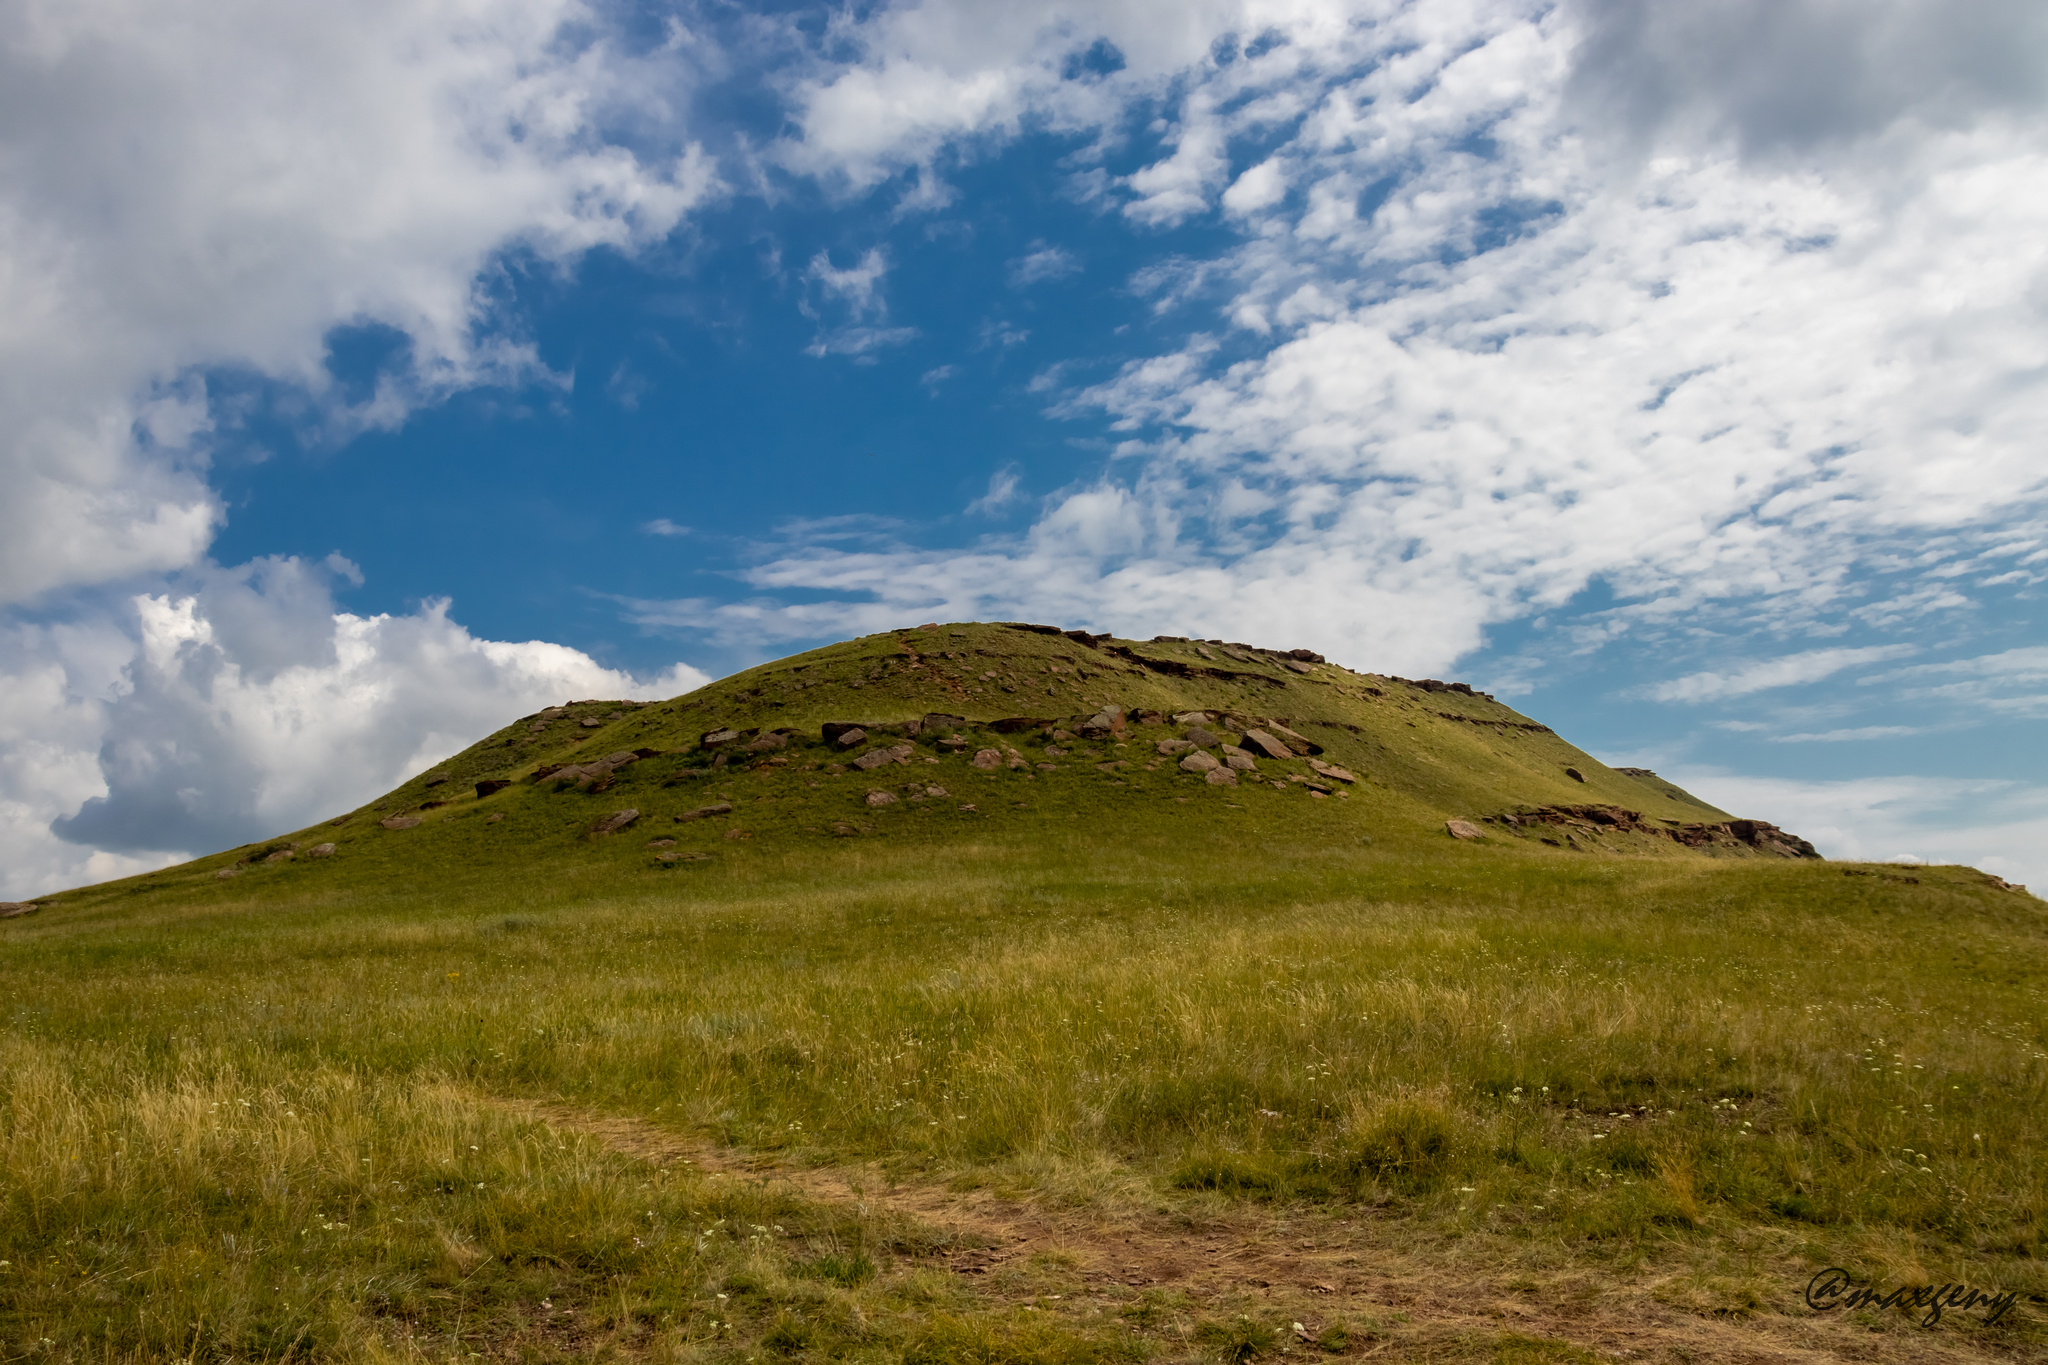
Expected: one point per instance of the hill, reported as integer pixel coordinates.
(935, 731)
(999, 994)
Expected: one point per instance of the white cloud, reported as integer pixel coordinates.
(1494, 362)
(222, 183)
(1003, 489)
(662, 526)
(243, 708)
(1790, 670)
(1044, 263)
(1999, 826)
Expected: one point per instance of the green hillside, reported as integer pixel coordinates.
(1076, 723)
(992, 994)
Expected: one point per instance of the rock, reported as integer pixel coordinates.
(1199, 762)
(1463, 829)
(1241, 762)
(1307, 656)
(1220, 776)
(841, 830)
(879, 798)
(1194, 717)
(593, 724)
(1202, 739)
(1063, 736)
(831, 730)
(737, 834)
(986, 759)
(401, 822)
(935, 723)
(1301, 744)
(320, 851)
(1299, 667)
(848, 739)
(1148, 718)
(661, 843)
(436, 779)
(489, 786)
(875, 758)
(338, 820)
(1169, 747)
(16, 909)
(1265, 745)
(226, 873)
(705, 812)
(615, 822)
(768, 743)
(1331, 770)
(494, 819)
(283, 855)
(934, 791)
(1574, 774)
(714, 739)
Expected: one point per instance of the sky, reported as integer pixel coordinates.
(372, 375)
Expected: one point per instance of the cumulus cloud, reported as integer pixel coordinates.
(1042, 263)
(221, 184)
(243, 705)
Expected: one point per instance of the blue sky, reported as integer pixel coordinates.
(370, 379)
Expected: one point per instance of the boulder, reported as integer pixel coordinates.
(1299, 667)
(401, 822)
(1462, 829)
(283, 855)
(881, 798)
(1265, 745)
(833, 730)
(875, 758)
(1574, 774)
(615, 822)
(841, 830)
(1301, 744)
(1199, 762)
(1331, 770)
(768, 743)
(1202, 739)
(986, 759)
(1220, 777)
(1307, 656)
(1240, 761)
(705, 812)
(593, 724)
(320, 851)
(714, 739)
(436, 779)
(1169, 747)
(1194, 717)
(934, 791)
(16, 909)
(1148, 718)
(661, 843)
(490, 786)
(494, 818)
(226, 873)
(934, 722)
(849, 739)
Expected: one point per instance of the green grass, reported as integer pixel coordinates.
(267, 1118)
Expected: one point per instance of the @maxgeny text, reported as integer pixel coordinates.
(1831, 1289)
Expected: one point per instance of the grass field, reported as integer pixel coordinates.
(1072, 1056)
(273, 1126)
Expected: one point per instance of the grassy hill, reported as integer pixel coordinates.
(1004, 1027)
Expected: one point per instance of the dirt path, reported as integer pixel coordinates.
(1313, 1272)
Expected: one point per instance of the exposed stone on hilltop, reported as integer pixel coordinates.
(400, 822)
(1265, 745)
(16, 909)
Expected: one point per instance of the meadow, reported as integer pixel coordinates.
(1186, 1089)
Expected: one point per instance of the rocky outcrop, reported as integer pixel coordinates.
(400, 822)
(1756, 834)
(16, 909)
(615, 822)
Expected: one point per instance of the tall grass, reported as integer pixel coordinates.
(263, 1129)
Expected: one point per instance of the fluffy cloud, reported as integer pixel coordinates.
(220, 184)
(242, 706)
(1469, 359)
(1789, 671)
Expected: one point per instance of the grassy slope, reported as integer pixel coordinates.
(261, 1116)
